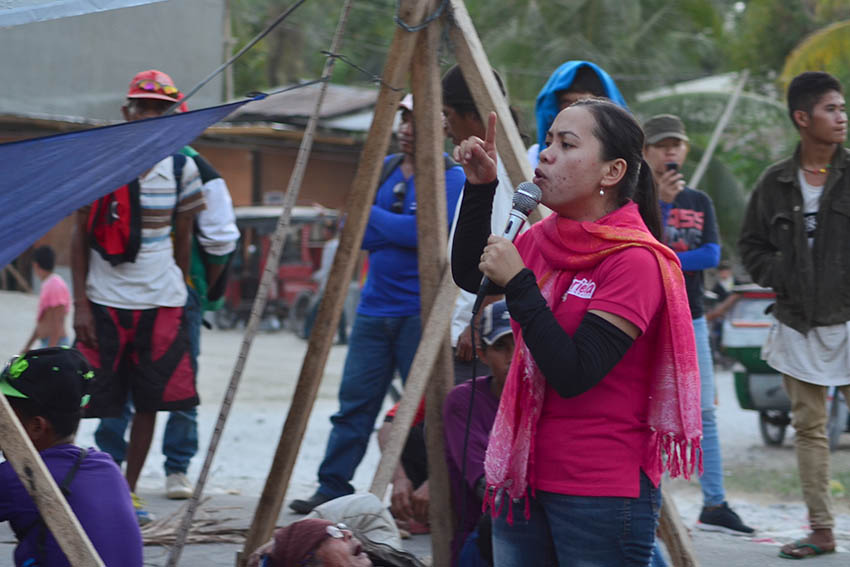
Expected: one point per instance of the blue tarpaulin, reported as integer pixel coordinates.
(16, 12)
(43, 180)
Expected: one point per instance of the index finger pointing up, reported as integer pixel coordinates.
(490, 136)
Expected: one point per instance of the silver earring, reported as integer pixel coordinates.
(601, 192)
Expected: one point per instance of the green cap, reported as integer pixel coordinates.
(664, 126)
(55, 377)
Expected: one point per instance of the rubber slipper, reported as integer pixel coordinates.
(802, 544)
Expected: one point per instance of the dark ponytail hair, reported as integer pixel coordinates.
(622, 137)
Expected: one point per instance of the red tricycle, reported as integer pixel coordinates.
(292, 292)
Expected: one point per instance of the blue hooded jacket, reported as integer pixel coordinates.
(546, 106)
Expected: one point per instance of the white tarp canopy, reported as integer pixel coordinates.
(16, 12)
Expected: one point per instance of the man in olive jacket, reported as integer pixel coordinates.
(795, 240)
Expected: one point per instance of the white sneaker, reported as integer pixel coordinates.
(178, 487)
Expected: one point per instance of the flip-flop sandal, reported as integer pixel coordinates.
(802, 544)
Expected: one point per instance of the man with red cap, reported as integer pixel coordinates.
(130, 255)
(311, 542)
(214, 237)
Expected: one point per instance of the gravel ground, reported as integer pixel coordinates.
(761, 481)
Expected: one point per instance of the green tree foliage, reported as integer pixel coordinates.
(758, 134)
(293, 51)
(766, 32)
(642, 43)
(825, 50)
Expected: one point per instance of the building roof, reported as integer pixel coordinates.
(297, 105)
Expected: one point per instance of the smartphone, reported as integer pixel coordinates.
(672, 166)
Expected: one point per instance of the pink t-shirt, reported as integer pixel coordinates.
(54, 293)
(596, 443)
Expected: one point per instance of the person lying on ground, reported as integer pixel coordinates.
(311, 543)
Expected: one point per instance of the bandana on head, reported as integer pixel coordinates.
(296, 542)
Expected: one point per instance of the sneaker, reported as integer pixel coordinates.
(722, 519)
(178, 487)
(143, 516)
(306, 506)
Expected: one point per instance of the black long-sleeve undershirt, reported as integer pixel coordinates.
(571, 365)
(471, 234)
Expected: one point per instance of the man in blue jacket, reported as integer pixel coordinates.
(690, 229)
(387, 327)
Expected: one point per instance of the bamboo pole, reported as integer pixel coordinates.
(478, 74)
(434, 333)
(674, 534)
(19, 278)
(272, 262)
(718, 130)
(359, 203)
(51, 504)
(432, 239)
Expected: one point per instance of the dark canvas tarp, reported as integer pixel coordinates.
(43, 180)
(16, 12)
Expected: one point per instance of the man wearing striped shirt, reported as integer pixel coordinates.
(129, 315)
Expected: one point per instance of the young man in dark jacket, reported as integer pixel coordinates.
(794, 240)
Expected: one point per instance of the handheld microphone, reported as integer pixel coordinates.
(526, 197)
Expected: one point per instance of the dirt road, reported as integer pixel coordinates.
(761, 481)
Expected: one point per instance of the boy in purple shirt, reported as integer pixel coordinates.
(471, 546)
(46, 389)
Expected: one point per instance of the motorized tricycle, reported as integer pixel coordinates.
(757, 385)
(291, 294)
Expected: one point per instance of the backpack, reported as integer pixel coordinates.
(115, 224)
(215, 289)
(115, 220)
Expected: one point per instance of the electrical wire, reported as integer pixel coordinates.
(233, 58)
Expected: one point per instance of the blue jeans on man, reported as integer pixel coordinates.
(180, 439)
(711, 480)
(377, 347)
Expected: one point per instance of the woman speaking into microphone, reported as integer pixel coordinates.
(603, 390)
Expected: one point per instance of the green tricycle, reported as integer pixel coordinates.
(757, 385)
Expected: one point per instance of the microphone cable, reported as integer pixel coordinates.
(464, 488)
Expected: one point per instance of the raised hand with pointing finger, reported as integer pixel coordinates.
(478, 157)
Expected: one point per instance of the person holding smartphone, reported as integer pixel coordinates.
(690, 229)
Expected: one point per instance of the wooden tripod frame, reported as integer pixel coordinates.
(431, 371)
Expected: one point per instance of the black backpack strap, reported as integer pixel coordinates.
(65, 487)
(178, 162)
(389, 166)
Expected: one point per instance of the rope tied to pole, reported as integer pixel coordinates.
(372, 77)
(419, 27)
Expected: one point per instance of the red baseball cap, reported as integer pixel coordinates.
(153, 84)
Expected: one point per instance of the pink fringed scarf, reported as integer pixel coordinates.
(568, 246)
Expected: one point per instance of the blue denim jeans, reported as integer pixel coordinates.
(712, 462)
(342, 338)
(376, 348)
(579, 531)
(180, 440)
